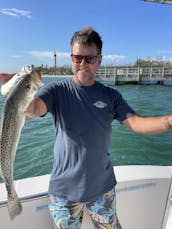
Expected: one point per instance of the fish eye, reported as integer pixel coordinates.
(27, 86)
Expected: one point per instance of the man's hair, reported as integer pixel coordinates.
(87, 36)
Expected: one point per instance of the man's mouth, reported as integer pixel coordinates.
(83, 70)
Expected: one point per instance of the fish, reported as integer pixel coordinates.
(19, 96)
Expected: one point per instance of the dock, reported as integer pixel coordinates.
(135, 74)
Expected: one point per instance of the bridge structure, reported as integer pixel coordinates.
(135, 74)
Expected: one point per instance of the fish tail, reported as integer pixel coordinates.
(14, 205)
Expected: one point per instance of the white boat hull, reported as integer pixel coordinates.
(143, 200)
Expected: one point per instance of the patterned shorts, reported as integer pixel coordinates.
(68, 215)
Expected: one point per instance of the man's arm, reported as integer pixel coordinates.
(149, 125)
(36, 108)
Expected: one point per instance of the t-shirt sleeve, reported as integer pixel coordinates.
(46, 93)
(122, 109)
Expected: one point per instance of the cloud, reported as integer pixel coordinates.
(48, 54)
(16, 12)
(62, 57)
(17, 56)
(166, 55)
(113, 57)
(41, 54)
(166, 58)
(166, 51)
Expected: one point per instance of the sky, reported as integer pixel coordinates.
(32, 30)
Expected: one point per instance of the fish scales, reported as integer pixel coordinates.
(12, 121)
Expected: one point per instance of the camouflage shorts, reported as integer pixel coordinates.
(68, 215)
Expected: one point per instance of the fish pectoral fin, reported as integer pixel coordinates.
(14, 206)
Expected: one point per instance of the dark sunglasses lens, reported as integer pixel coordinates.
(90, 59)
(76, 58)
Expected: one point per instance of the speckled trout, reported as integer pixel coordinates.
(14, 110)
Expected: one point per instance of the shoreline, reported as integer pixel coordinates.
(57, 76)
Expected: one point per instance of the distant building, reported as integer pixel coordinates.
(160, 1)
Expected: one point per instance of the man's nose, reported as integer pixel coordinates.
(83, 61)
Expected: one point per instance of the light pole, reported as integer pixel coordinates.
(55, 63)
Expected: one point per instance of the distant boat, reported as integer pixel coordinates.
(160, 1)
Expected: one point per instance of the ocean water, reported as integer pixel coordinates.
(35, 150)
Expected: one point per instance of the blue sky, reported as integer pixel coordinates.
(31, 30)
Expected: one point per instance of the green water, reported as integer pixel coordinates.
(35, 151)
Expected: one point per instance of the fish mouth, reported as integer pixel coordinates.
(37, 77)
(36, 73)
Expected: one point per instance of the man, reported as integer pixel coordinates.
(83, 110)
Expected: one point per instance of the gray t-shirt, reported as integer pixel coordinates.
(83, 115)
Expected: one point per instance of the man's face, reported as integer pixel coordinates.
(84, 73)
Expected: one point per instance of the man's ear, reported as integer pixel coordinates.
(100, 60)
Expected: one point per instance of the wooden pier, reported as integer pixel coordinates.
(140, 75)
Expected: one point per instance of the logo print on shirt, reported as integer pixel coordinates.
(100, 104)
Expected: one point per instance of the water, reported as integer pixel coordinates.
(35, 151)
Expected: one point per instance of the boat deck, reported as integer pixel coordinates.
(144, 200)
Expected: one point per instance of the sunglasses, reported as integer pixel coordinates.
(89, 59)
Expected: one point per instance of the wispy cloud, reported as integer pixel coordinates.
(166, 51)
(48, 54)
(113, 57)
(62, 57)
(17, 56)
(166, 58)
(16, 12)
